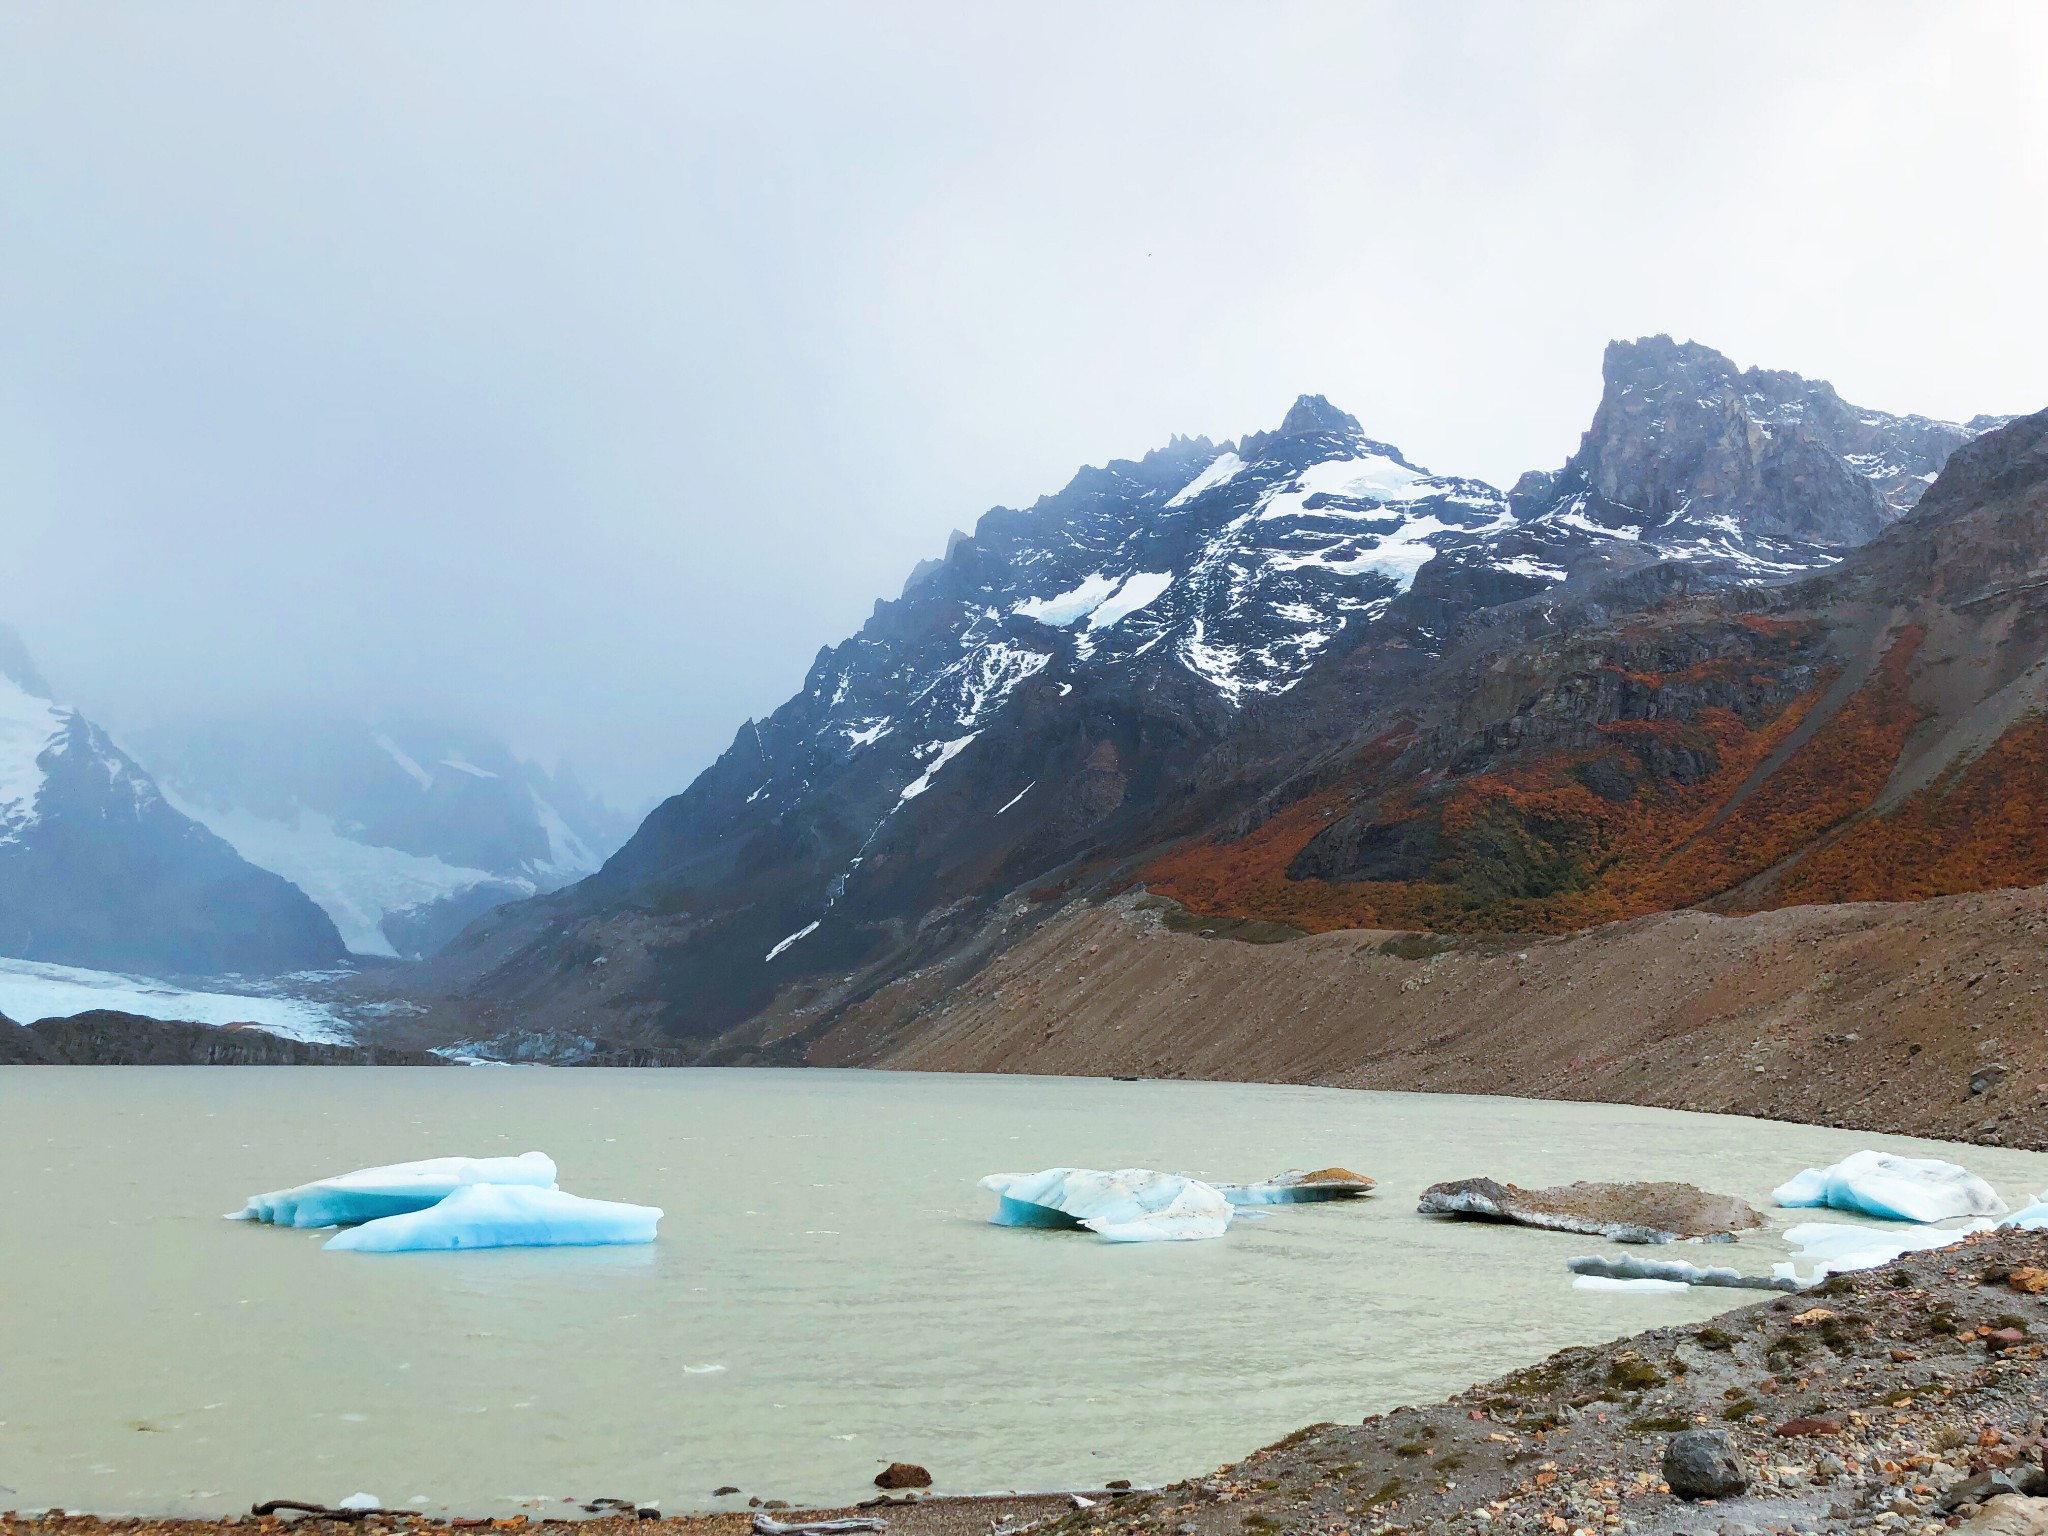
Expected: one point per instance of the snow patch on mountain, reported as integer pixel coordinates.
(30, 727)
(1223, 469)
(1139, 590)
(947, 751)
(1072, 605)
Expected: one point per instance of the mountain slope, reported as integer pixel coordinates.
(1876, 732)
(1209, 637)
(402, 830)
(97, 869)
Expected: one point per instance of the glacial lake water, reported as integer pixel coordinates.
(825, 1297)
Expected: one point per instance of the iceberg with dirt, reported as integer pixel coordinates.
(370, 1194)
(504, 1216)
(1638, 1273)
(1128, 1205)
(1838, 1247)
(1892, 1188)
(1294, 1187)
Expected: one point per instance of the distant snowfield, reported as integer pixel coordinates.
(33, 989)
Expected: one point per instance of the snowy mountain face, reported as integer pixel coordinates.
(1073, 675)
(98, 869)
(403, 832)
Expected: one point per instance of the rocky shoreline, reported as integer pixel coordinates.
(1890, 1400)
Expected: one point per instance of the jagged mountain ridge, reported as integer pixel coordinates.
(98, 869)
(402, 829)
(1155, 643)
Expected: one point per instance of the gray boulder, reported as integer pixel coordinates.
(1704, 1464)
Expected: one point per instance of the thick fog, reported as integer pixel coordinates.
(579, 370)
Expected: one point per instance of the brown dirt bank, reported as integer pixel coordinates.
(1873, 1016)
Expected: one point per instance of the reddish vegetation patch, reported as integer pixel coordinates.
(1978, 827)
(1531, 848)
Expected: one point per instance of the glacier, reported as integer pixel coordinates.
(40, 989)
(371, 1194)
(504, 1216)
(1892, 1188)
(1129, 1205)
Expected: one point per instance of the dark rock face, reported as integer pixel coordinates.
(1624, 1213)
(1703, 1464)
(105, 1038)
(21, 1047)
(97, 869)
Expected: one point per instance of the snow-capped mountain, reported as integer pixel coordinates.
(1073, 677)
(402, 830)
(98, 869)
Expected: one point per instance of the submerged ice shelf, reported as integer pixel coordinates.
(505, 1216)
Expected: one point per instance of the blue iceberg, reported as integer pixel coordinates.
(370, 1194)
(504, 1216)
(2031, 1217)
(1129, 1205)
(1892, 1189)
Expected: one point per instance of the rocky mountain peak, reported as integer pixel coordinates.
(1770, 467)
(1313, 415)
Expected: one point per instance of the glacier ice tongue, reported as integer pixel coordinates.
(1892, 1188)
(505, 1216)
(1129, 1205)
(1837, 1247)
(370, 1193)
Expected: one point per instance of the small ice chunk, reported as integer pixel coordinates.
(370, 1193)
(2033, 1216)
(1676, 1271)
(1295, 1187)
(505, 1216)
(1892, 1188)
(1130, 1205)
(363, 1501)
(1837, 1247)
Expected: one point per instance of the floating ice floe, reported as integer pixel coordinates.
(1635, 1272)
(505, 1216)
(2033, 1216)
(1609, 1283)
(1837, 1247)
(1295, 1187)
(1893, 1189)
(369, 1194)
(1129, 1205)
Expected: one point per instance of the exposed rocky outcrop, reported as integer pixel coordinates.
(105, 1038)
(1622, 1213)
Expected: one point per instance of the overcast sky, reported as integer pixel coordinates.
(582, 368)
